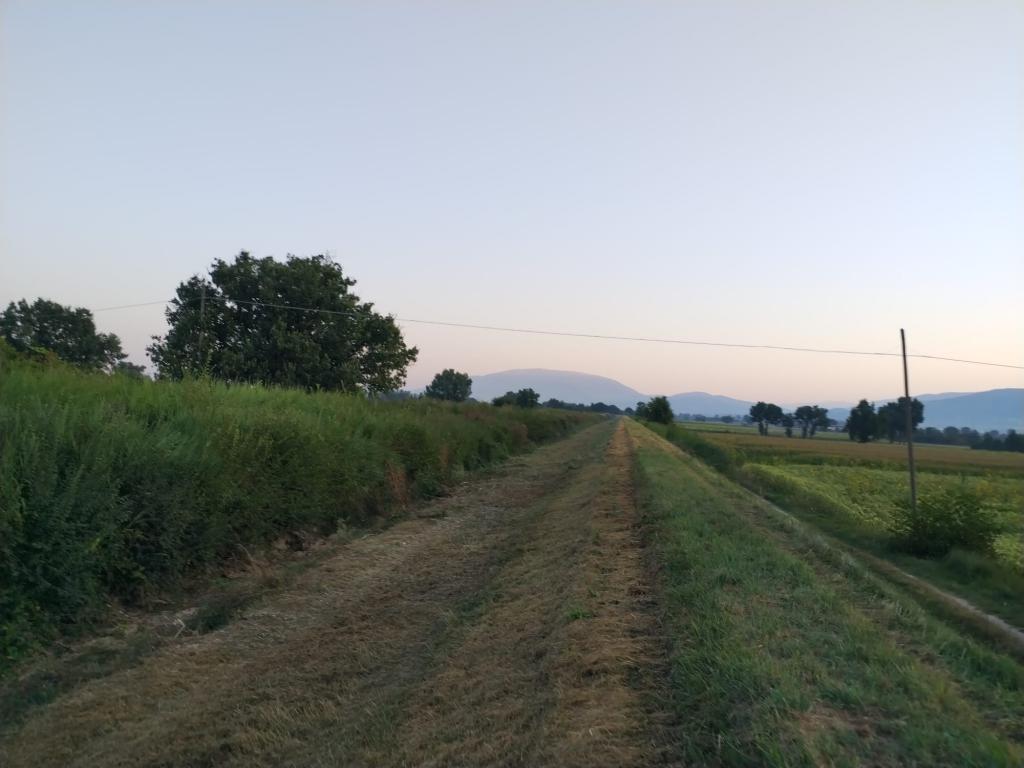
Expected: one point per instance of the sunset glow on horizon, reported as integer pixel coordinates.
(733, 172)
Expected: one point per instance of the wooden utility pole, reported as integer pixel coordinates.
(202, 323)
(910, 424)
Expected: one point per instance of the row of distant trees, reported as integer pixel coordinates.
(457, 386)
(992, 440)
(889, 421)
(866, 423)
(597, 407)
(809, 418)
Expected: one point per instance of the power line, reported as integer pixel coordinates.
(285, 306)
(129, 306)
(706, 343)
(606, 337)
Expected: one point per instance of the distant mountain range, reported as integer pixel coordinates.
(1000, 409)
(570, 386)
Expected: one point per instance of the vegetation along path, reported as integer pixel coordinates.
(786, 651)
(607, 600)
(508, 624)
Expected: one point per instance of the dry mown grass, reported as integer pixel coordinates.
(450, 639)
(563, 667)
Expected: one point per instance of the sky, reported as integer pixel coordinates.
(814, 173)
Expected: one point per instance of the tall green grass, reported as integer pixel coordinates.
(856, 502)
(787, 653)
(857, 506)
(113, 487)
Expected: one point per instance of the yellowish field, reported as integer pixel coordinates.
(941, 457)
(750, 429)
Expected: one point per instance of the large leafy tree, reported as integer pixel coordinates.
(67, 332)
(294, 323)
(892, 418)
(657, 409)
(450, 384)
(810, 418)
(660, 410)
(862, 424)
(764, 414)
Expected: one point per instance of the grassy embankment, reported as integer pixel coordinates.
(787, 652)
(117, 488)
(851, 491)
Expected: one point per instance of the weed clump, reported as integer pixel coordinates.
(944, 519)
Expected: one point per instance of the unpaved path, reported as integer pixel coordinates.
(509, 624)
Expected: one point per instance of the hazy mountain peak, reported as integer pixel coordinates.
(571, 386)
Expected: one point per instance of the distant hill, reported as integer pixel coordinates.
(1000, 409)
(708, 404)
(941, 396)
(571, 386)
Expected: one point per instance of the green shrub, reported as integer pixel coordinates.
(943, 519)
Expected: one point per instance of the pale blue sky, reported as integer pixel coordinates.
(806, 173)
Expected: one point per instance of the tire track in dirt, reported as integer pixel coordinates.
(509, 625)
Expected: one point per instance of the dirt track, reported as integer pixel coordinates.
(508, 624)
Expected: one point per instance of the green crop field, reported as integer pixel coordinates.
(853, 492)
(786, 652)
(873, 495)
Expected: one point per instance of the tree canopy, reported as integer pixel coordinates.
(125, 368)
(524, 398)
(862, 424)
(68, 333)
(892, 418)
(656, 409)
(293, 323)
(764, 414)
(597, 407)
(450, 384)
(659, 410)
(810, 418)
